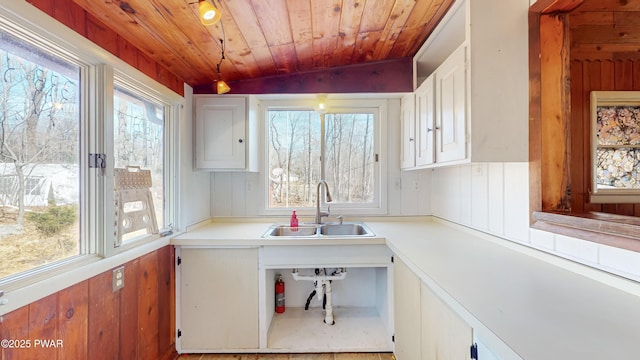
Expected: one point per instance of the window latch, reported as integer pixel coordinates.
(98, 161)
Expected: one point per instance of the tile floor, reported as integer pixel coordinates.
(323, 356)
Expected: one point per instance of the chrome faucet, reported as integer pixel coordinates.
(320, 214)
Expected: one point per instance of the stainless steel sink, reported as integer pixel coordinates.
(344, 229)
(347, 229)
(285, 230)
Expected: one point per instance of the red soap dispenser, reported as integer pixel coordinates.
(294, 220)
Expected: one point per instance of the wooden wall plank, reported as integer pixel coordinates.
(14, 325)
(93, 322)
(555, 113)
(104, 320)
(43, 326)
(73, 321)
(535, 116)
(148, 335)
(127, 52)
(101, 35)
(129, 311)
(590, 18)
(578, 130)
(70, 14)
(166, 302)
(603, 34)
(608, 5)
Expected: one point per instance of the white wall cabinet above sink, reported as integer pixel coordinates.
(225, 133)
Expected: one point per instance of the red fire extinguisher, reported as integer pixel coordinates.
(279, 295)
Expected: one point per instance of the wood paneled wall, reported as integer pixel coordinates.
(93, 322)
(576, 46)
(85, 24)
(605, 55)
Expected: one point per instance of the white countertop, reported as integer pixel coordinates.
(540, 310)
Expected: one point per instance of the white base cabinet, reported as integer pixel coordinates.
(406, 312)
(218, 299)
(445, 335)
(425, 326)
(226, 299)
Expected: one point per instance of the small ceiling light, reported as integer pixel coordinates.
(209, 14)
(321, 106)
(222, 87)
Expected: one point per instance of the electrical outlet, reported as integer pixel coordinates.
(415, 185)
(117, 280)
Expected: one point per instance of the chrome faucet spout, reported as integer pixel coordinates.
(320, 214)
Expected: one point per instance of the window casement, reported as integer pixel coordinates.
(340, 146)
(615, 146)
(56, 119)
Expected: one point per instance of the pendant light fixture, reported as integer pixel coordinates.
(221, 86)
(209, 14)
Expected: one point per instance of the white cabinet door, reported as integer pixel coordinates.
(425, 120)
(445, 335)
(406, 305)
(218, 299)
(220, 141)
(407, 119)
(451, 107)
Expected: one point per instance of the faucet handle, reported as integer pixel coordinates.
(340, 219)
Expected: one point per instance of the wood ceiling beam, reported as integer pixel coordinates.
(377, 77)
(552, 6)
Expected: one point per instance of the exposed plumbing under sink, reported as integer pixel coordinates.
(322, 284)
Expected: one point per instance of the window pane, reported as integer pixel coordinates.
(618, 153)
(294, 158)
(39, 157)
(618, 168)
(139, 142)
(349, 151)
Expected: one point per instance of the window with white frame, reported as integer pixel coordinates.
(62, 105)
(39, 147)
(138, 125)
(340, 147)
(615, 139)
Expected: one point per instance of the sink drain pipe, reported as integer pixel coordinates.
(322, 284)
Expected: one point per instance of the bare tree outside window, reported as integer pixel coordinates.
(139, 141)
(295, 159)
(39, 157)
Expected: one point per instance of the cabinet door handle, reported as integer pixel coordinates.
(240, 141)
(410, 139)
(429, 130)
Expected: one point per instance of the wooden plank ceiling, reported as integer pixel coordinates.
(271, 39)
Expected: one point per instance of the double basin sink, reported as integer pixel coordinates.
(350, 229)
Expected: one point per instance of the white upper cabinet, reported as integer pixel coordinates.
(225, 133)
(451, 108)
(425, 123)
(407, 120)
(436, 131)
(480, 69)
